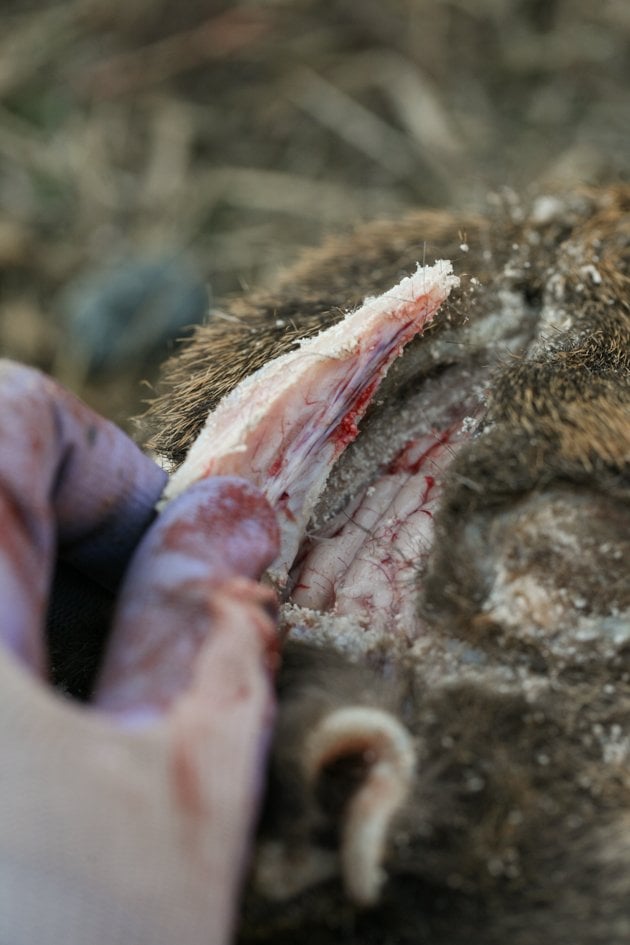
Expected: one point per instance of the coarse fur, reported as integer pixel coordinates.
(517, 695)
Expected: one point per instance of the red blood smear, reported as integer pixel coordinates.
(429, 484)
(402, 462)
(234, 504)
(346, 431)
(275, 467)
(283, 505)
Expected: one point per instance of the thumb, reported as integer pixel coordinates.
(180, 590)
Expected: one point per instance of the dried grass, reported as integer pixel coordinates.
(235, 133)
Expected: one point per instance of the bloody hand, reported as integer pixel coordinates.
(126, 821)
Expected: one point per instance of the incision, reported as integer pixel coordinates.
(355, 495)
(285, 427)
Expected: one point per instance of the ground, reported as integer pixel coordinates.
(214, 139)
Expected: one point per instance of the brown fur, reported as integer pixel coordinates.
(518, 830)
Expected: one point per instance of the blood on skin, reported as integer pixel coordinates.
(347, 429)
(231, 509)
(202, 565)
(275, 467)
(23, 568)
(364, 564)
(283, 506)
(405, 462)
(186, 779)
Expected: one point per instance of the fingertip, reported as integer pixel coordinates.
(224, 648)
(224, 519)
(193, 578)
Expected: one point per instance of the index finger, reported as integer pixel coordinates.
(69, 478)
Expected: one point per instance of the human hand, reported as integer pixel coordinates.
(127, 821)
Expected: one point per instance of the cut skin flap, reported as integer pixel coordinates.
(284, 426)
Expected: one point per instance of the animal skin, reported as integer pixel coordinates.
(462, 774)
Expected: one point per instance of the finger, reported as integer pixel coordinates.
(220, 732)
(66, 475)
(220, 529)
(115, 836)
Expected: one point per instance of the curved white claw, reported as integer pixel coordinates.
(388, 750)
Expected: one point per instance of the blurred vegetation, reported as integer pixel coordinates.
(227, 135)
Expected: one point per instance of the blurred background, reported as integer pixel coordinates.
(156, 155)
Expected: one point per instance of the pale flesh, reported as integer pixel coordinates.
(284, 427)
